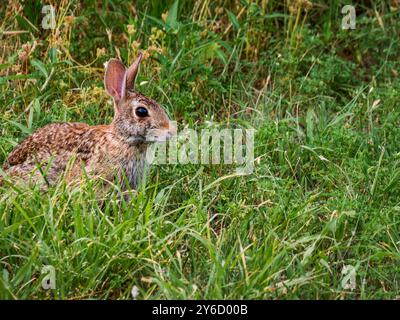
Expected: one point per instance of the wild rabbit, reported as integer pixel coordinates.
(104, 151)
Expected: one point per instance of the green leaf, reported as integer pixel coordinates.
(40, 67)
(172, 19)
(34, 107)
(221, 56)
(233, 19)
(24, 273)
(25, 24)
(20, 126)
(4, 66)
(4, 80)
(158, 21)
(53, 55)
(310, 124)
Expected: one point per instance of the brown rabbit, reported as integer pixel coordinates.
(104, 151)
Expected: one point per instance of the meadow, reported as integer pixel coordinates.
(318, 218)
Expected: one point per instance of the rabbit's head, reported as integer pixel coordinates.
(137, 118)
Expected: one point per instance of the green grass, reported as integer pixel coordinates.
(325, 190)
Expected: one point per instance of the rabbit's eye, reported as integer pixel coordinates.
(142, 112)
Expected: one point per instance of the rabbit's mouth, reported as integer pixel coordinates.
(159, 135)
(135, 139)
(153, 136)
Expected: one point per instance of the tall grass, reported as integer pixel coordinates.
(323, 198)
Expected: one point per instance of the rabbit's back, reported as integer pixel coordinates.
(51, 139)
(64, 148)
(52, 145)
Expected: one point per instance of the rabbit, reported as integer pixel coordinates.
(103, 151)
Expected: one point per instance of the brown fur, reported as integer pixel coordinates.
(103, 151)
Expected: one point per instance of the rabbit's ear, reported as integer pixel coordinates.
(115, 79)
(133, 72)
